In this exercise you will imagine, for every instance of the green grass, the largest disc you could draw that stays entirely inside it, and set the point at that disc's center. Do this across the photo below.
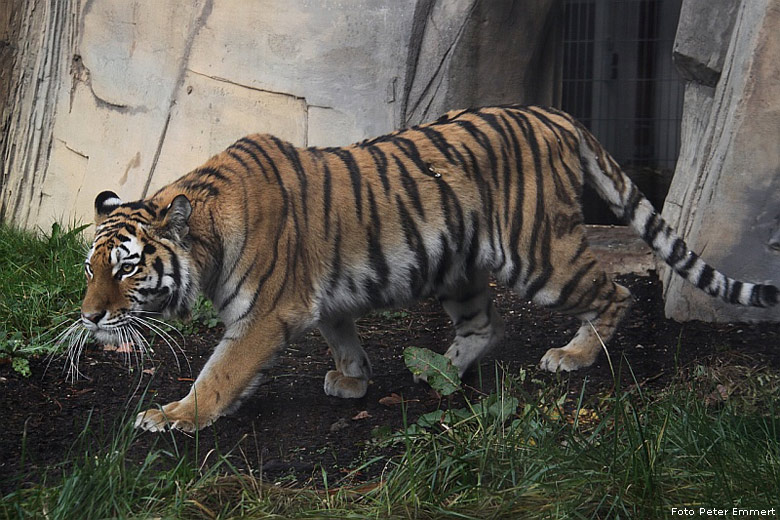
(525, 451)
(41, 284)
(711, 438)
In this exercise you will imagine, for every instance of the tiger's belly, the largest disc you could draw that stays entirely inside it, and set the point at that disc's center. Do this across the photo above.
(403, 279)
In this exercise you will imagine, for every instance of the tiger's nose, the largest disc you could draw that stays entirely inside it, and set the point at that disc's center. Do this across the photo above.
(92, 318)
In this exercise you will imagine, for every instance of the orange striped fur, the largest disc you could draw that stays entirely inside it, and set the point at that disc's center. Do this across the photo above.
(284, 239)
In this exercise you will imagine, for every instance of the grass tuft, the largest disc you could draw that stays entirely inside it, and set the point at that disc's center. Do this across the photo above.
(41, 284)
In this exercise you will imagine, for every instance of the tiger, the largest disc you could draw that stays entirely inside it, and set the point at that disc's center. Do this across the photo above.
(283, 240)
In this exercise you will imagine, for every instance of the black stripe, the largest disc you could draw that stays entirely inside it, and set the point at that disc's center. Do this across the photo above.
(473, 247)
(542, 115)
(414, 241)
(635, 197)
(444, 260)
(326, 198)
(494, 123)
(354, 176)
(456, 227)
(240, 160)
(560, 187)
(580, 249)
(547, 267)
(207, 171)
(409, 149)
(587, 297)
(275, 170)
(410, 186)
(292, 155)
(376, 256)
(444, 146)
(217, 248)
(380, 160)
(194, 185)
(336, 264)
(574, 281)
(263, 277)
(571, 141)
(705, 278)
(485, 142)
(689, 263)
(539, 212)
(158, 267)
(239, 145)
(679, 250)
(653, 226)
(736, 290)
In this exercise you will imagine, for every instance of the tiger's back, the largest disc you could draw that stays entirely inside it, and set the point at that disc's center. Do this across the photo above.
(399, 217)
(283, 239)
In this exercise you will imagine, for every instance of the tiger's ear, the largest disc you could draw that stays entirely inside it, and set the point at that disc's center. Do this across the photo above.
(105, 203)
(175, 218)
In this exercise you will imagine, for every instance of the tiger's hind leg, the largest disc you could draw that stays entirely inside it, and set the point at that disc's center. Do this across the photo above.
(599, 323)
(581, 287)
(566, 277)
(353, 368)
(478, 326)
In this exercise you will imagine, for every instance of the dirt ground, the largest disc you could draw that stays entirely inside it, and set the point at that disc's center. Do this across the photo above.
(289, 429)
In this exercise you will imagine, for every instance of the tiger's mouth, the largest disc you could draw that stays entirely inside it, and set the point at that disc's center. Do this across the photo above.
(117, 330)
(103, 335)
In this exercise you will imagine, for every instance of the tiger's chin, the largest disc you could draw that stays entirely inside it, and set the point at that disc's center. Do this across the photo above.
(106, 336)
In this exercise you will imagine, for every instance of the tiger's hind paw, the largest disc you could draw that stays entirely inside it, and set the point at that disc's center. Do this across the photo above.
(562, 359)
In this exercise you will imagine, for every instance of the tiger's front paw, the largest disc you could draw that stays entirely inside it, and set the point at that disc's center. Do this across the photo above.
(170, 418)
(339, 385)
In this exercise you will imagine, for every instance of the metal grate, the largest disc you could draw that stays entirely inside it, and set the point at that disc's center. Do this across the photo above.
(619, 80)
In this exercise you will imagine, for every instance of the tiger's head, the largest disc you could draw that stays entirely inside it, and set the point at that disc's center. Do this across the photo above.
(138, 266)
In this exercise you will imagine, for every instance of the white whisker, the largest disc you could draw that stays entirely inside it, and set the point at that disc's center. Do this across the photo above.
(64, 336)
(169, 340)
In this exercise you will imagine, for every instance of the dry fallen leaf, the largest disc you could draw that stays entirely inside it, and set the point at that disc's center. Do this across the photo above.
(149, 371)
(124, 348)
(391, 400)
(361, 415)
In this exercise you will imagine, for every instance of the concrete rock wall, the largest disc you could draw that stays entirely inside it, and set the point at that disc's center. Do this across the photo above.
(725, 194)
(117, 94)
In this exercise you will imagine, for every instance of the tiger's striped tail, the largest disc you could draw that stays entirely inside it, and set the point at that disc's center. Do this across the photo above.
(627, 202)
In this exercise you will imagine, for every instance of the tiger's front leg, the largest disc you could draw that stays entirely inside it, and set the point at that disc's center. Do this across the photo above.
(353, 368)
(229, 374)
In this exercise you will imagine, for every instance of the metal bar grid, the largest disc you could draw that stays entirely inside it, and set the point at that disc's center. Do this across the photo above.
(619, 80)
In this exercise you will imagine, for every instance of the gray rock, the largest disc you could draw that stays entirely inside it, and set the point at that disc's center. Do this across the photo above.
(725, 195)
(702, 40)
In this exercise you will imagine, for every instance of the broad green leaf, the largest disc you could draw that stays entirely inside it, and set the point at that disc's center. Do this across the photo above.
(436, 369)
(500, 408)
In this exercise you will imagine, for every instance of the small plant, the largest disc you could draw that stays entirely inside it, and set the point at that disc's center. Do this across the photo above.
(202, 314)
(11, 350)
(434, 368)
